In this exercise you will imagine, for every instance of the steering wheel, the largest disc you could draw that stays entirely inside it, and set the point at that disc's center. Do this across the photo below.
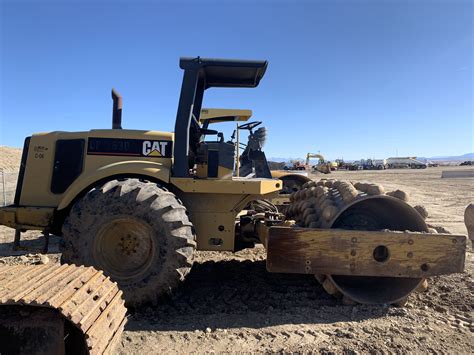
(250, 125)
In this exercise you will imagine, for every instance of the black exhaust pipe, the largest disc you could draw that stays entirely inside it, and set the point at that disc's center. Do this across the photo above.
(116, 110)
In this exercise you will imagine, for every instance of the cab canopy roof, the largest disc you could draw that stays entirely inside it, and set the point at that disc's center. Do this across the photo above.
(201, 74)
(226, 72)
(217, 115)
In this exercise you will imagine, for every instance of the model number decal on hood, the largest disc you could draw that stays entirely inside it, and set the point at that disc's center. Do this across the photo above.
(130, 147)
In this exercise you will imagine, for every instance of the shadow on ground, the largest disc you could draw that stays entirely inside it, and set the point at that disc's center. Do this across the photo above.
(233, 294)
(32, 242)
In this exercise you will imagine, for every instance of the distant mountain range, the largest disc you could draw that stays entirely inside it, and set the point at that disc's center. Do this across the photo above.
(467, 156)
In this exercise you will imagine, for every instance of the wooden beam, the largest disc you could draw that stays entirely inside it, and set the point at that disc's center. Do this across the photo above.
(351, 252)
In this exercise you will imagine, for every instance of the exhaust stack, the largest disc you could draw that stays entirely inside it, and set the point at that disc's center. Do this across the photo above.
(116, 110)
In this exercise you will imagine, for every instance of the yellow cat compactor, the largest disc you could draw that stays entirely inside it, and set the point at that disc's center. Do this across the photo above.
(137, 204)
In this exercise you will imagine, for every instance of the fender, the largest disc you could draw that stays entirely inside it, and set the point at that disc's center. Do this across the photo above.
(283, 174)
(152, 169)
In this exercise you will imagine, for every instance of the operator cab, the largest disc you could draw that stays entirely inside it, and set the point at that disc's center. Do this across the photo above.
(252, 162)
(216, 158)
(194, 154)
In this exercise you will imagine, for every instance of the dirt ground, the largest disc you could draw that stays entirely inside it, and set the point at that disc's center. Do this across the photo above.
(9, 158)
(230, 304)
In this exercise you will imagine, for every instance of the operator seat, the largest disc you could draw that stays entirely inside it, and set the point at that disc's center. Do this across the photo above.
(253, 156)
(215, 159)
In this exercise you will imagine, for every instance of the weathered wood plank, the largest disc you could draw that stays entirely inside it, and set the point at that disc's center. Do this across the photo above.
(350, 252)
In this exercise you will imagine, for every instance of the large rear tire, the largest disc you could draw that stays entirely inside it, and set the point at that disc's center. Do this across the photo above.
(136, 232)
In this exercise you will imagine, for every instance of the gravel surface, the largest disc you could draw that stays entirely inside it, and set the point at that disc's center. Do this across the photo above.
(230, 303)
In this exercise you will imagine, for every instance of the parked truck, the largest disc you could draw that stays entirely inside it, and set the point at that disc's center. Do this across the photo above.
(405, 163)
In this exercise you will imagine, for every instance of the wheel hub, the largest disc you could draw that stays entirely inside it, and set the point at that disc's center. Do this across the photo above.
(124, 247)
(129, 244)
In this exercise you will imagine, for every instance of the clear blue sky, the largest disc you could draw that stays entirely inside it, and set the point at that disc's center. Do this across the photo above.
(351, 79)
